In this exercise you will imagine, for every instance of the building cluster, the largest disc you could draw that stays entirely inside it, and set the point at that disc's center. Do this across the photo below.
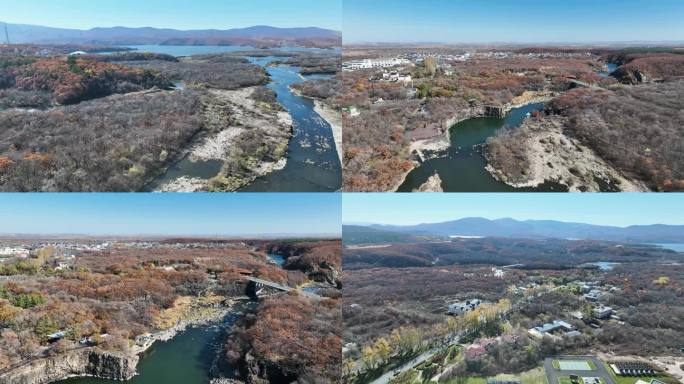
(396, 77)
(418, 57)
(555, 329)
(373, 63)
(20, 252)
(462, 307)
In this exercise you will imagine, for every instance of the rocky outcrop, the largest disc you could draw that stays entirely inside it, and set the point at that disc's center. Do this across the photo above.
(433, 184)
(82, 362)
(265, 372)
(540, 151)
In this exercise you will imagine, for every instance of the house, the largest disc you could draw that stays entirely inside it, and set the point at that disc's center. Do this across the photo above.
(352, 111)
(603, 312)
(556, 327)
(474, 351)
(63, 266)
(594, 295)
(56, 336)
(144, 340)
(406, 79)
(464, 306)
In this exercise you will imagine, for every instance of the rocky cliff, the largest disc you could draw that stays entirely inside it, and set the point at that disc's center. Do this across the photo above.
(82, 362)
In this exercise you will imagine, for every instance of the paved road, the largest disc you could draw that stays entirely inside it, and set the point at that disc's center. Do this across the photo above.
(281, 287)
(553, 374)
(384, 379)
(456, 340)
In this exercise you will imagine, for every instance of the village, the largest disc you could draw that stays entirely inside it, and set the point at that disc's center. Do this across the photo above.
(575, 325)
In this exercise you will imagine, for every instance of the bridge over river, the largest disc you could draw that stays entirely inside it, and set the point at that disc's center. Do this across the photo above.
(280, 287)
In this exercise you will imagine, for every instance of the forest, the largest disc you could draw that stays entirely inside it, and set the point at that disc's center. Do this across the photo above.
(289, 338)
(320, 260)
(129, 139)
(127, 291)
(557, 254)
(120, 292)
(637, 129)
(73, 79)
(221, 71)
(138, 120)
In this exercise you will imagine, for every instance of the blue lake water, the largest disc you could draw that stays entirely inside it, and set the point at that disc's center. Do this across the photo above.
(278, 259)
(677, 247)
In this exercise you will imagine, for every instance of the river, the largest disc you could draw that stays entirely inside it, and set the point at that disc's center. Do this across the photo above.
(610, 68)
(462, 166)
(312, 161)
(191, 357)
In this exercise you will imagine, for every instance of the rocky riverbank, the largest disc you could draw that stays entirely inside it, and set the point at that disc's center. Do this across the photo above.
(539, 150)
(248, 136)
(334, 119)
(80, 362)
(433, 184)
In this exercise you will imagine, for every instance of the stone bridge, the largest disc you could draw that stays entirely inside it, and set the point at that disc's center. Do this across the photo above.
(260, 287)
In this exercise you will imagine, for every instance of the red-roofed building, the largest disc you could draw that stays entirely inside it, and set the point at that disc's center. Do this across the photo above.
(474, 351)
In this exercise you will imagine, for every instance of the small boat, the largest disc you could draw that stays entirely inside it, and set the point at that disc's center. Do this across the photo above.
(528, 115)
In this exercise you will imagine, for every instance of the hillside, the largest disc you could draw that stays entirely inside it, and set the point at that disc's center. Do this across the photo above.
(256, 35)
(542, 229)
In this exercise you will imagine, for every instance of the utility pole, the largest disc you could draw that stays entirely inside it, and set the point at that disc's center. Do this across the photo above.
(7, 35)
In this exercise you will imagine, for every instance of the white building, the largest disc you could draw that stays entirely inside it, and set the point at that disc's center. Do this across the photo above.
(464, 306)
(373, 63)
(14, 252)
(603, 312)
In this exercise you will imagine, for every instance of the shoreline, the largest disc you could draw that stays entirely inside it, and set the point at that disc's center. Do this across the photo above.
(334, 119)
(550, 155)
(276, 131)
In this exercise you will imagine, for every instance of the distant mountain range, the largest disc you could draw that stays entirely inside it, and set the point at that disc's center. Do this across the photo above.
(534, 229)
(260, 35)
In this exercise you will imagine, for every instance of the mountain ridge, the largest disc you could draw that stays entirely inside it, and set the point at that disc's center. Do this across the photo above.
(118, 35)
(540, 229)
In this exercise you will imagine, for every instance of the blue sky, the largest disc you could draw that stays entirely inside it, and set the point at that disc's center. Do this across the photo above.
(621, 209)
(177, 214)
(177, 14)
(464, 21)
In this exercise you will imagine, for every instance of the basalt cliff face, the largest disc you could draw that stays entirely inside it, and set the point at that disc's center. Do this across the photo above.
(82, 362)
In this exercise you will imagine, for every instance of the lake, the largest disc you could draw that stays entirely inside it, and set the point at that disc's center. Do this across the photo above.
(602, 265)
(190, 50)
(312, 161)
(462, 167)
(192, 357)
(677, 247)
